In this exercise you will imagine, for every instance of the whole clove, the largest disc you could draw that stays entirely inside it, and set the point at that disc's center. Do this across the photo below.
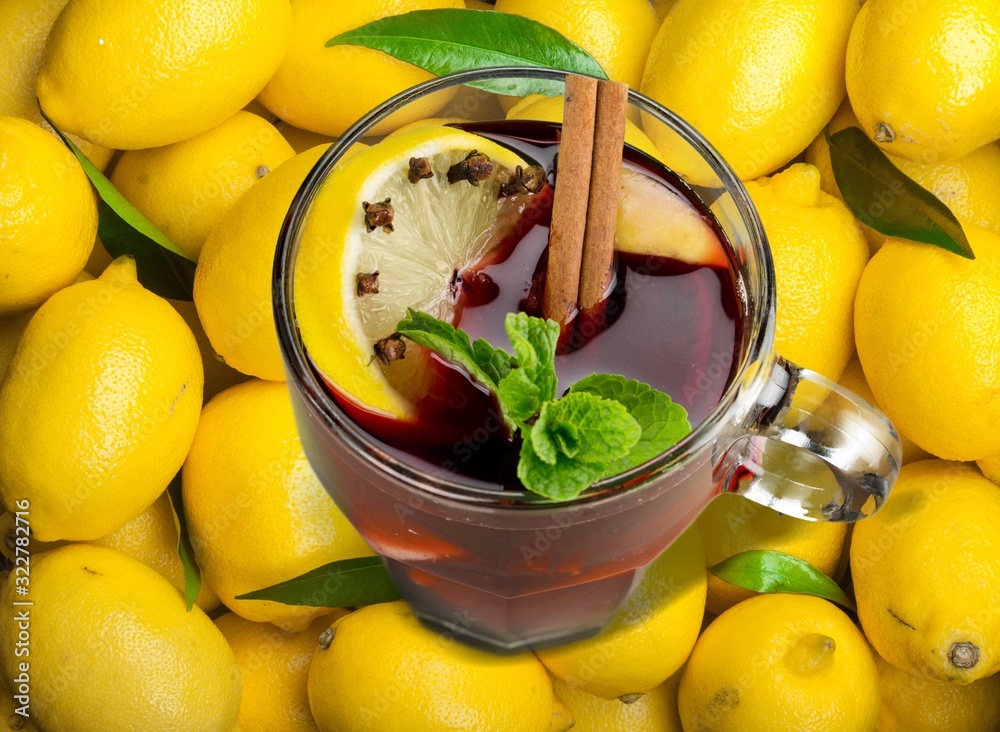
(391, 348)
(523, 180)
(367, 283)
(379, 214)
(475, 167)
(420, 169)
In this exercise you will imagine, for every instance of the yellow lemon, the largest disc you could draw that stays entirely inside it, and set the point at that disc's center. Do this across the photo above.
(924, 79)
(819, 254)
(914, 704)
(617, 33)
(186, 188)
(48, 215)
(274, 666)
(98, 407)
(232, 285)
(218, 375)
(300, 92)
(256, 512)
(380, 670)
(853, 378)
(759, 80)
(731, 524)
(652, 634)
(415, 257)
(991, 468)
(113, 646)
(550, 109)
(151, 537)
(928, 336)
(26, 25)
(153, 72)
(969, 185)
(654, 711)
(926, 572)
(781, 663)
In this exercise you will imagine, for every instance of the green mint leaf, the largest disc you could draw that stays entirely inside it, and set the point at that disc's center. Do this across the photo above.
(572, 442)
(449, 40)
(543, 445)
(347, 583)
(602, 429)
(881, 196)
(495, 362)
(160, 264)
(192, 572)
(520, 397)
(663, 423)
(769, 571)
(561, 480)
(482, 361)
(566, 436)
(534, 382)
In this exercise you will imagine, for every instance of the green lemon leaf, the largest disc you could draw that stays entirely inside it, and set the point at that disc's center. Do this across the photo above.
(192, 572)
(881, 196)
(160, 264)
(663, 423)
(346, 583)
(769, 571)
(449, 40)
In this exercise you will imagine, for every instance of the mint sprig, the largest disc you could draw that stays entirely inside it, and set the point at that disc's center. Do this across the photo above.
(604, 425)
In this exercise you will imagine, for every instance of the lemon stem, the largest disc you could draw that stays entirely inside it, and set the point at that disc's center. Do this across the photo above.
(884, 133)
(326, 638)
(964, 655)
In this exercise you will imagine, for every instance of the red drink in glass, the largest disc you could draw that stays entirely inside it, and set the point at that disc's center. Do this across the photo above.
(471, 551)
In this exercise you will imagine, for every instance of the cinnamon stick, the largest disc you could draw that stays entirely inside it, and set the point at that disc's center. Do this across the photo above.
(569, 206)
(605, 181)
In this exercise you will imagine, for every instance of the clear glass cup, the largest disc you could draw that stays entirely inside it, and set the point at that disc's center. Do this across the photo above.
(509, 570)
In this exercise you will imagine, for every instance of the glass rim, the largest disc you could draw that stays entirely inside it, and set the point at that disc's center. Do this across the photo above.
(759, 338)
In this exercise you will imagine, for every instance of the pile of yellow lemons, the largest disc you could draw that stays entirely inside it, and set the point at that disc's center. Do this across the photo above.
(207, 116)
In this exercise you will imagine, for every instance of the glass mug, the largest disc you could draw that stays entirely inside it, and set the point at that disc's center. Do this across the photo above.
(507, 570)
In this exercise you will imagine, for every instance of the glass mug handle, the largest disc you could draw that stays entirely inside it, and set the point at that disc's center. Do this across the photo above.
(812, 449)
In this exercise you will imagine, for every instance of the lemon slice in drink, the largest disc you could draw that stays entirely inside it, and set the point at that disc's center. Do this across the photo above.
(372, 216)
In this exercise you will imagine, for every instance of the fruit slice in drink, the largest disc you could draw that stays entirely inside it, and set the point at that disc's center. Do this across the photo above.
(390, 230)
